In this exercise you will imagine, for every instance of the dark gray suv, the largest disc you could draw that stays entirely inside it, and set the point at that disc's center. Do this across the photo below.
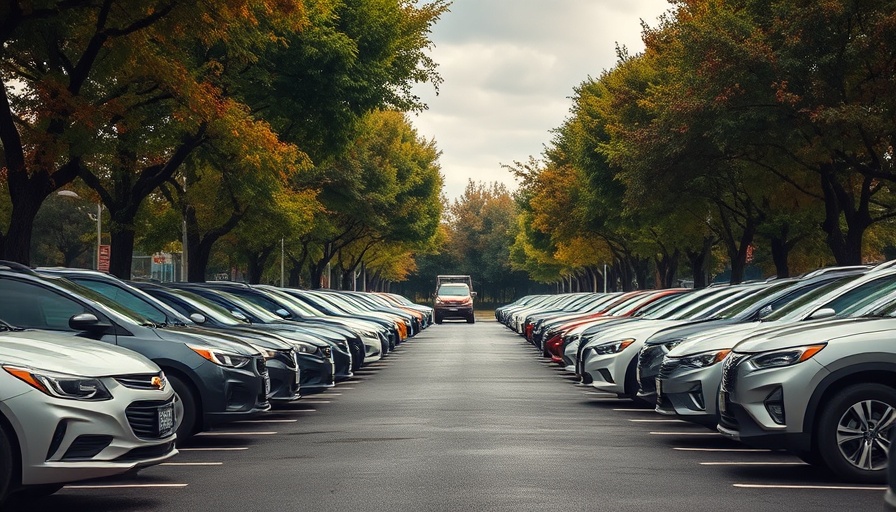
(216, 380)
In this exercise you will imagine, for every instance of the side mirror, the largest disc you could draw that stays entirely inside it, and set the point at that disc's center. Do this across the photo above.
(764, 312)
(239, 316)
(88, 322)
(822, 313)
(199, 318)
(282, 313)
(472, 294)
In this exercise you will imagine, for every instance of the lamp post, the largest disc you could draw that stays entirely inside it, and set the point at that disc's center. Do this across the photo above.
(99, 224)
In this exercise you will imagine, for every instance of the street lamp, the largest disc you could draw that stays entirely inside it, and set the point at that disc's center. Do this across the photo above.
(99, 224)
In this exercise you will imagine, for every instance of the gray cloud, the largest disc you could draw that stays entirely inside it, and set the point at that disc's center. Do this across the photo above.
(509, 68)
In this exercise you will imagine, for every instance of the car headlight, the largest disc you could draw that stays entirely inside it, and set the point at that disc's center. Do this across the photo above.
(60, 385)
(704, 359)
(305, 348)
(613, 347)
(267, 354)
(669, 345)
(786, 357)
(221, 358)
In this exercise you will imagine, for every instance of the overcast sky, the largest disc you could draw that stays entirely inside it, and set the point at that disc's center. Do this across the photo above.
(510, 67)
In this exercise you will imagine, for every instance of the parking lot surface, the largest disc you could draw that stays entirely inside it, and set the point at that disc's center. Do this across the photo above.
(465, 417)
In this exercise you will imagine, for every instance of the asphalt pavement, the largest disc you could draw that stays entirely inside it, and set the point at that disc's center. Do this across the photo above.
(465, 418)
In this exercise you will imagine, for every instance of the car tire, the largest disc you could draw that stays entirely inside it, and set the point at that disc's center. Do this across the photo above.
(845, 455)
(471, 319)
(438, 319)
(189, 424)
(6, 463)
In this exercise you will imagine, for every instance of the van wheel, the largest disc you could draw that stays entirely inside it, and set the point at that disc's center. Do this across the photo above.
(188, 424)
(854, 432)
(438, 319)
(5, 465)
(471, 319)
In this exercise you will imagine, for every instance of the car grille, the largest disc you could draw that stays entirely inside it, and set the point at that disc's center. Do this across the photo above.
(86, 447)
(142, 381)
(147, 452)
(668, 367)
(729, 371)
(144, 417)
(649, 358)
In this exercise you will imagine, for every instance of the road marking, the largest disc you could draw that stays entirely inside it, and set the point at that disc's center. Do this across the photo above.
(345, 387)
(657, 421)
(723, 450)
(223, 449)
(335, 394)
(266, 421)
(811, 487)
(287, 411)
(685, 434)
(236, 433)
(796, 463)
(635, 410)
(313, 401)
(192, 464)
(126, 486)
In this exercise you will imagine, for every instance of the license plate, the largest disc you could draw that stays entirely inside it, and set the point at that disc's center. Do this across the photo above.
(267, 385)
(659, 388)
(723, 401)
(166, 419)
(452, 309)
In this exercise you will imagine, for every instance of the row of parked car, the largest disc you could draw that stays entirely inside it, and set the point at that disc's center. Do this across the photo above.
(102, 376)
(804, 364)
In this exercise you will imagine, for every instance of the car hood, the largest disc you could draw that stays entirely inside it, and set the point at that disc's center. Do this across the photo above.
(639, 330)
(686, 330)
(818, 331)
(198, 336)
(70, 354)
(718, 339)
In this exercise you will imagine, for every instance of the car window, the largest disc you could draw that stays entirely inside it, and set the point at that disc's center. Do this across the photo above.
(36, 307)
(125, 298)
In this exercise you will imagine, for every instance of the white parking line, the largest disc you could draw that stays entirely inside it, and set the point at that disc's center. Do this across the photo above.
(657, 421)
(126, 486)
(313, 401)
(685, 434)
(795, 463)
(812, 487)
(636, 410)
(236, 433)
(294, 410)
(345, 387)
(266, 421)
(722, 450)
(222, 449)
(192, 464)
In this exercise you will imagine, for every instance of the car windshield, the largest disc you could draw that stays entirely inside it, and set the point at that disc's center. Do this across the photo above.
(454, 290)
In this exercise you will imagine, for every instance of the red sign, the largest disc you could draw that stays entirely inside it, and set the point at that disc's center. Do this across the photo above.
(105, 252)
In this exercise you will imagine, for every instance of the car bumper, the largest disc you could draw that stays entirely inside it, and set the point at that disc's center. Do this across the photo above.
(691, 393)
(68, 440)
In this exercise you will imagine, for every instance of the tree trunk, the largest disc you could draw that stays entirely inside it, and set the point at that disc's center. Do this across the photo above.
(780, 251)
(122, 249)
